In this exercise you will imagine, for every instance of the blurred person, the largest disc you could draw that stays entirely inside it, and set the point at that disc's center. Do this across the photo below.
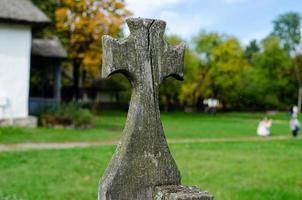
(264, 126)
(295, 111)
(294, 126)
(212, 105)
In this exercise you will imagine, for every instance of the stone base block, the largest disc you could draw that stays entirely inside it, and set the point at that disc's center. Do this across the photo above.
(179, 192)
(29, 122)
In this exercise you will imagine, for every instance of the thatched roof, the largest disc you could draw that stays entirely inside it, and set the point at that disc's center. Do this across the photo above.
(49, 48)
(21, 11)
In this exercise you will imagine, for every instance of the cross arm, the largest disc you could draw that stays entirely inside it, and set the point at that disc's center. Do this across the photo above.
(173, 62)
(117, 57)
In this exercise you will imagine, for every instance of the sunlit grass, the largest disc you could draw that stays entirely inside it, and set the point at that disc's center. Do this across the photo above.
(230, 170)
(178, 125)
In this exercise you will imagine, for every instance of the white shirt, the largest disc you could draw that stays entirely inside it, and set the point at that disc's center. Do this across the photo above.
(294, 123)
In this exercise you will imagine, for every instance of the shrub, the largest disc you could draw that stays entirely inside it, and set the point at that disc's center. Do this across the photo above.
(67, 115)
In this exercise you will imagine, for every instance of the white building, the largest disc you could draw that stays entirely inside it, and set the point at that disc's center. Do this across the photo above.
(17, 20)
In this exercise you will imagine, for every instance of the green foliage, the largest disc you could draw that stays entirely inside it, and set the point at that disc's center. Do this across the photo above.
(49, 8)
(174, 93)
(250, 50)
(124, 83)
(271, 75)
(259, 76)
(205, 42)
(193, 73)
(288, 28)
(296, 74)
(223, 67)
(67, 115)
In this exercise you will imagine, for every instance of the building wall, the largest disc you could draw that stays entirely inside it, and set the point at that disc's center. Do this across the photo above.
(15, 47)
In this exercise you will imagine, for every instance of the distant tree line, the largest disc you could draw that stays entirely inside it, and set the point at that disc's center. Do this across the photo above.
(265, 74)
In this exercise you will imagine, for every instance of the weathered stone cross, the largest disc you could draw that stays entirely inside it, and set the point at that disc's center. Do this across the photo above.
(142, 160)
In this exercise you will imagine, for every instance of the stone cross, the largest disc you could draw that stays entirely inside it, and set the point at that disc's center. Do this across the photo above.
(142, 160)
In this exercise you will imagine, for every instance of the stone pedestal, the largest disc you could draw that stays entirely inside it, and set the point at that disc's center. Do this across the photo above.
(179, 192)
(28, 122)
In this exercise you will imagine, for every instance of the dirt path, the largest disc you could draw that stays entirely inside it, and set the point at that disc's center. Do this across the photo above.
(68, 145)
(52, 145)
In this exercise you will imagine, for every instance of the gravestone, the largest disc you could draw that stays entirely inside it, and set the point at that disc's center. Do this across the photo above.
(142, 167)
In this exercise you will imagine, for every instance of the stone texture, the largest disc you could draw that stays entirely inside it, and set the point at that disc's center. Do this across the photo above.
(178, 192)
(28, 122)
(142, 160)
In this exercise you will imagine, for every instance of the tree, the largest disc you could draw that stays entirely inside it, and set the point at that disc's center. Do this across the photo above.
(288, 28)
(222, 68)
(297, 62)
(205, 42)
(49, 8)
(228, 67)
(171, 91)
(250, 50)
(193, 77)
(81, 25)
(196, 67)
(272, 75)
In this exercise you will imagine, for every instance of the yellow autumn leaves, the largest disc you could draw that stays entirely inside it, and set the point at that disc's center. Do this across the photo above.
(83, 23)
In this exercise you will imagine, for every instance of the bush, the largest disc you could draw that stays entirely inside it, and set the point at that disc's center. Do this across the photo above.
(67, 115)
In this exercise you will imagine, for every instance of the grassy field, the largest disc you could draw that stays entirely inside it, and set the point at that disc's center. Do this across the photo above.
(109, 126)
(231, 170)
(242, 170)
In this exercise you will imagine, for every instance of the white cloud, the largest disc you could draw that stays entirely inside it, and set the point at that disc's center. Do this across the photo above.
(184, 24)
(166, 14)
(241, 18)
(146, 8)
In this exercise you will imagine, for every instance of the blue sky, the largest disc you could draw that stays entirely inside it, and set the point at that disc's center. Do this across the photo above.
(244, 19)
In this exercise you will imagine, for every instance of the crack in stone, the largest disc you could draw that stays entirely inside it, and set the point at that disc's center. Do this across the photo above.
(151, 61)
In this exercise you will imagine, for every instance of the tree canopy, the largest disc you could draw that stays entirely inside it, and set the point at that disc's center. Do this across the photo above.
(83, 23)
(260, 75)
(288, 28)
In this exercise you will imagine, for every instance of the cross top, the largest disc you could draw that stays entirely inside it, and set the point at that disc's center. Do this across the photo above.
(142, 160)
(144, 48)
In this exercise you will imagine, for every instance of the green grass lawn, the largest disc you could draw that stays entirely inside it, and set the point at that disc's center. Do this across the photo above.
(109, 126)
(231, 170)
(249, 170)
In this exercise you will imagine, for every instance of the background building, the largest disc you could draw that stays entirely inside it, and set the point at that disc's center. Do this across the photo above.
(18, 20)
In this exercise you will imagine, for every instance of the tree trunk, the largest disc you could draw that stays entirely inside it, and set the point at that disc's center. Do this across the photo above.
(297, 70)
(76, 78)
(299, 99)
